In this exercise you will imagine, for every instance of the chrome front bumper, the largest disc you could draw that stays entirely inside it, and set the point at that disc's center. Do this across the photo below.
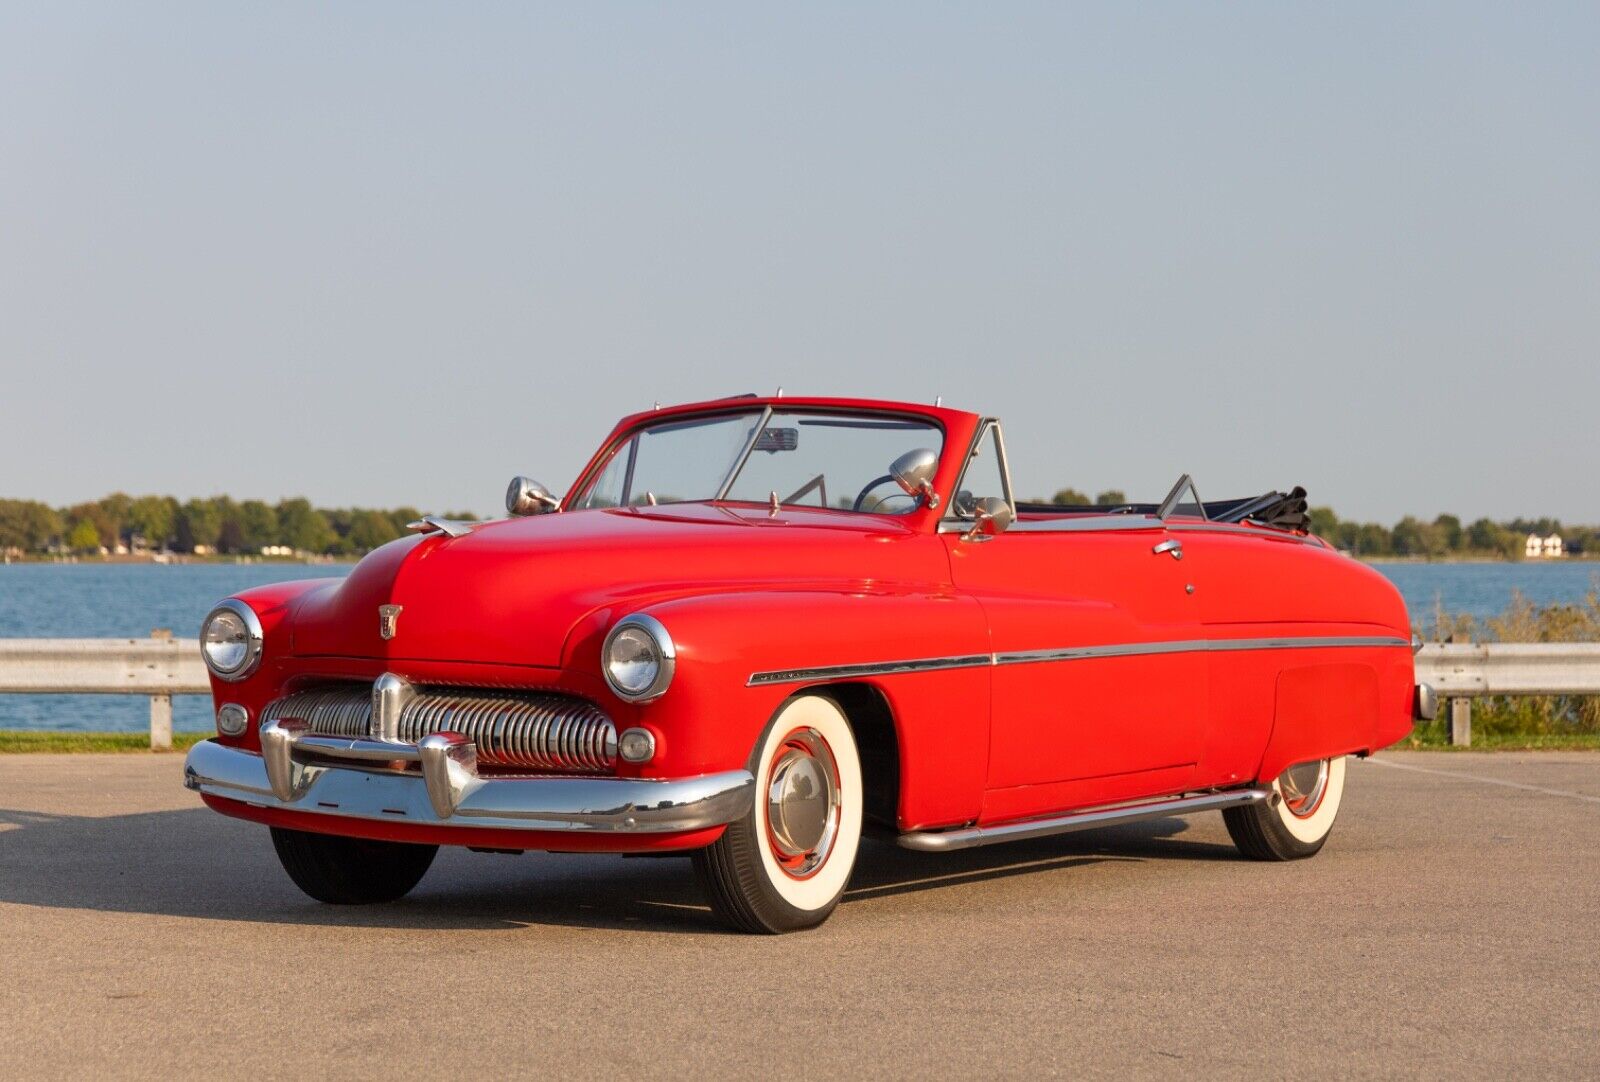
(367, 779)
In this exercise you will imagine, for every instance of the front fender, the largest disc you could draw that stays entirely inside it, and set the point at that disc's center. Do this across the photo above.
(274, 606)
(711, 716)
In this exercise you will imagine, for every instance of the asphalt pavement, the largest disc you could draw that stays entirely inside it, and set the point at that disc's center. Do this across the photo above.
(1450, 927)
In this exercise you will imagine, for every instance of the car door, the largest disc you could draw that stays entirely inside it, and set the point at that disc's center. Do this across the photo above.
(1100, 683)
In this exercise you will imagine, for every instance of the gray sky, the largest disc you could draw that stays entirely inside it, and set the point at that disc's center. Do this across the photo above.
(394, 253)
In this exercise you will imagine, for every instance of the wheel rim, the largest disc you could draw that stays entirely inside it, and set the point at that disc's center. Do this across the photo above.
(802, 803)
(1302, 787)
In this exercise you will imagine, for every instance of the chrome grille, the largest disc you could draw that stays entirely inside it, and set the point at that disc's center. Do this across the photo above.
(510, 728)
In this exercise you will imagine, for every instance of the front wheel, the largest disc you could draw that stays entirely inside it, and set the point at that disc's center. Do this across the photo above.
(1297, 819)
(350, 871)
(784, 865)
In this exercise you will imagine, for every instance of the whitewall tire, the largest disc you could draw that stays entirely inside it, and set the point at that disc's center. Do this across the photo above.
(784, 866)
(1297, 820)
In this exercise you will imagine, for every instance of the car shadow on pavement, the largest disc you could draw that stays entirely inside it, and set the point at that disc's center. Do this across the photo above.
(195, 863)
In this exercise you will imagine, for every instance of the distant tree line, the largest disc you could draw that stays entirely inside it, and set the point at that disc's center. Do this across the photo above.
(244, 527)
(218, 524)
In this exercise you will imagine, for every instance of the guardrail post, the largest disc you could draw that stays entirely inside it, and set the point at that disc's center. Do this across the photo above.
(161, 706)
(1461, 722)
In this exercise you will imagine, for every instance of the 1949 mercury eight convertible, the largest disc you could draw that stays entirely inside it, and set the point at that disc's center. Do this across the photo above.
(755, 627)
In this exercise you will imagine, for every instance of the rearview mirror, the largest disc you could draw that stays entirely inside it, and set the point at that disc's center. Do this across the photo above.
(526, 496)
(773, 440)
(992, 516)
(914, 470)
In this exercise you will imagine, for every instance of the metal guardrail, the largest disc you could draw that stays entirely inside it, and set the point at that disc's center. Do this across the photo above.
(1462, 672)
(159, 667)
(162, 667)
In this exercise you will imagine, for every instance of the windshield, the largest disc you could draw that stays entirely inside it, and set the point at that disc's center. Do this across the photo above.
(808, 459)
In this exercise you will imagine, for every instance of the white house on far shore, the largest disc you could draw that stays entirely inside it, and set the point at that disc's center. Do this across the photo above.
(1543, 548)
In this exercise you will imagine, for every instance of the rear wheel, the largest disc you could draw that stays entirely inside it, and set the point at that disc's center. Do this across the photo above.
(784, 865)
(1298, 818)
(350, 871)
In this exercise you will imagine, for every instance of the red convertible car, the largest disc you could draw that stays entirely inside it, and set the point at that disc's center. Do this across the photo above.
(756, 627)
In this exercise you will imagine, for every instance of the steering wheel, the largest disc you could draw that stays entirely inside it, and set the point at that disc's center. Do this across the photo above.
(861, 497)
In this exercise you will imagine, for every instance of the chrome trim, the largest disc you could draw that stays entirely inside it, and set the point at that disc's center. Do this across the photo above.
(1005, 466)
(1172, 545)
(533, 729)
(991, 517)
(1426, 703)
(1064, 653)
(913, 472)
(1188, 646)
(943, 841)
(450, 527)
(882, 668)
(525, 496)
(954, 522)
(255, 640)
(744, 455)
(389, 620)
(1100, 523)
(390, 693)
(1298, 800)
(1087, 524)
(1263, 531)
(449, 792)
(669, 657)
(1416, 643)
(1169, 504)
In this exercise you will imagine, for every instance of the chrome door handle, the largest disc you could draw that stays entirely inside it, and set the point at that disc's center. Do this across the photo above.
(1173, 546)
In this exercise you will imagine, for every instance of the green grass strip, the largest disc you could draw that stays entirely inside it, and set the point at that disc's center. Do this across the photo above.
(13, 741)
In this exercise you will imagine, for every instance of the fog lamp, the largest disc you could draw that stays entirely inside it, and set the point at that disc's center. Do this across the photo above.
(232, 719)
(636, 745)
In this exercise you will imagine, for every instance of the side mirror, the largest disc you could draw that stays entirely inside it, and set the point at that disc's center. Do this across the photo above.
(992, 516)
(528, 497)
(914, 470)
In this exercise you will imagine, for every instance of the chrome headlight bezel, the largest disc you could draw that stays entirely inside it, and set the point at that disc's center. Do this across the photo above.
(666, 658)
(253, 642)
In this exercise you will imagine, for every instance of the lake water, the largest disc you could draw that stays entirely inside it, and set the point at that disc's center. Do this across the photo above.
(127, 600)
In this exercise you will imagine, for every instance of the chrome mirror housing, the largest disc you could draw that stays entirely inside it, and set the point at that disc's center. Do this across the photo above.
(913, 472)
(992, 516)
(526, 496)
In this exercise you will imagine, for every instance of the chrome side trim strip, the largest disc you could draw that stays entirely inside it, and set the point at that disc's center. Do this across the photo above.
(1105, 523)
(944, 841)
(1082, 524)
(1067, 653)
(1189, 646)
(880, 668)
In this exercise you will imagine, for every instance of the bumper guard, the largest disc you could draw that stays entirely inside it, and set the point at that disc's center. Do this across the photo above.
(371, 779)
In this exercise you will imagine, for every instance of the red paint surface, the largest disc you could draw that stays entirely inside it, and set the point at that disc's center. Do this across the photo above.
(527, 602)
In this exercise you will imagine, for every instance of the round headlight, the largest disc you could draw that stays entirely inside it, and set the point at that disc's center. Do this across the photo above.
(231, 640)
(638, 658)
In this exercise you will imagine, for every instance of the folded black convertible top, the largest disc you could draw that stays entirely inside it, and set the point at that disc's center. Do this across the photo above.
(1281, 510)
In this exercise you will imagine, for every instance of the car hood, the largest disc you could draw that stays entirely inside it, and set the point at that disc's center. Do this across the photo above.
(512, 591)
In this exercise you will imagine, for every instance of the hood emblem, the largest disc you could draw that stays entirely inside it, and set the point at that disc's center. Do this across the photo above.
(388, 620)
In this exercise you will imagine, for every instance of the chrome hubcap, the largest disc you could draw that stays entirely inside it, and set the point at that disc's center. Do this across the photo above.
(802, 803)
(1302, 786)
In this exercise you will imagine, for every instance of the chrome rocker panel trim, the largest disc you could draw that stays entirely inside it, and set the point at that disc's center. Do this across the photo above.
(299, 772)
(942, 841)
